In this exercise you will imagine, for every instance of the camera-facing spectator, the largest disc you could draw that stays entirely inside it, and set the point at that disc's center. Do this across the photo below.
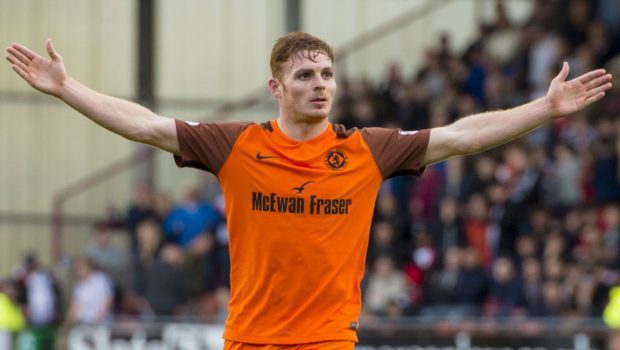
(93, 294)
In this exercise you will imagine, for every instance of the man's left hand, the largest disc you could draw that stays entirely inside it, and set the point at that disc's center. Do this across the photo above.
(566, 97)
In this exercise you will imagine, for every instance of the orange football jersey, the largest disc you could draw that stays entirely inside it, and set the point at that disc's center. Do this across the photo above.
(299, 216)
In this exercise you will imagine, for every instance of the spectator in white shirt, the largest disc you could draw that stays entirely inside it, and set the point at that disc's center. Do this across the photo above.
(92, 294)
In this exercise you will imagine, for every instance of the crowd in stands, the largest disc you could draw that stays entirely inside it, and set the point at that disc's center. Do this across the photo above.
(531, 228)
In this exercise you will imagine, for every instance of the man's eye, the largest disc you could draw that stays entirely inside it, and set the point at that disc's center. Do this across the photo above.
(328, 74)
(304, 75)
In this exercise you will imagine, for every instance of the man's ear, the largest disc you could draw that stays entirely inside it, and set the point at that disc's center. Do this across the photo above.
(274, 88)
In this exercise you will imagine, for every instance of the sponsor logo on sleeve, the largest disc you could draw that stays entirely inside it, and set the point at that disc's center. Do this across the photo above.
(408, 132)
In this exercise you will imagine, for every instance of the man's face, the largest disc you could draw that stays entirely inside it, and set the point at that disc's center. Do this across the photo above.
(307, 87)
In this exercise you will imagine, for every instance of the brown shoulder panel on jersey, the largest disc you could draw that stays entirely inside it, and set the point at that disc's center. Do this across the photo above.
(206, 146)
(341, 131)
(267, 126)
(397, 152)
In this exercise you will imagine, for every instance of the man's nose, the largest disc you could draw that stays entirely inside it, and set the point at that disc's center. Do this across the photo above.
(319, 84)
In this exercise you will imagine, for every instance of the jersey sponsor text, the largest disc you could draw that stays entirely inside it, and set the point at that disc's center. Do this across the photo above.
(272, 202)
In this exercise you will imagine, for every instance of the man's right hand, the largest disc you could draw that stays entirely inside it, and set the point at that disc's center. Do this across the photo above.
(122, 117)
(45, 75)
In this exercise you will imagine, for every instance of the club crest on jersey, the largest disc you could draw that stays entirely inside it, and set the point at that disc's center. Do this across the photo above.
(336, 159)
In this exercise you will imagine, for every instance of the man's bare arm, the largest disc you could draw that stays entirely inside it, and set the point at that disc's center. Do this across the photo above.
(482, 131)
(125, 118)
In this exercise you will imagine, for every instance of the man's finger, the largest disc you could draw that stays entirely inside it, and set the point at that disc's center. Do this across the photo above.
(18, 55)
(51, 51)
(24, 50)
(563, 73)
(587, 77)
(16, 62)
(22, 73)
(590, 100)
(598, 90)
(598, 81)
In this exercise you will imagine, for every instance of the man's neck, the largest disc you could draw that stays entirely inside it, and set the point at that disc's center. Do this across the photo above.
(302, 130)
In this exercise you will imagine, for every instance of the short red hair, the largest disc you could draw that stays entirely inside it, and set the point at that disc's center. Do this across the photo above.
(297, 44)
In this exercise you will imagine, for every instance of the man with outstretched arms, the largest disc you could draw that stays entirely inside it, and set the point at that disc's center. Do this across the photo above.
(299, 190)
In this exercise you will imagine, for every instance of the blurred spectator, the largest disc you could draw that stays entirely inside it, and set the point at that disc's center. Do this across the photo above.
(526, 247)
(191, 225)
(532, 287)
(42, 306)
(448, 231)
(589, 249)
(523, 181)
(200, 266)
(600, 42)
(579, 15)
(605, 177)
(424, 255)
(387, 211)
(382, 243)
(566, 177)
(579, 135)
(611, 233)
(431, 78)
(442, 283)
(364, 114)
(454, 177)
(388, 91)
(553, 269)
(386, 285)
(214, 306)
(610, 106)
(140, 209)
(190, 219)
(149, 237)
(472, 282)
(539, 223)
(477, 229)
(454, 291)
(584, 297)
(554, 303)
(92, 298)
(542, 55)
(482, 176)
(424, 198)
(502, 43)
(108, 256)
(11, 316)
(555, 247)
(221, 251)
(413, 106)
(476, 78)
(582, 60)
(166, 281)
(210, 188)
(163, 206)
(505, 294)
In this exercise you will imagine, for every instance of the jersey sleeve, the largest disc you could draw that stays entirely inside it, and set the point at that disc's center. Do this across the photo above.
(397, 152)
(206, 146)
